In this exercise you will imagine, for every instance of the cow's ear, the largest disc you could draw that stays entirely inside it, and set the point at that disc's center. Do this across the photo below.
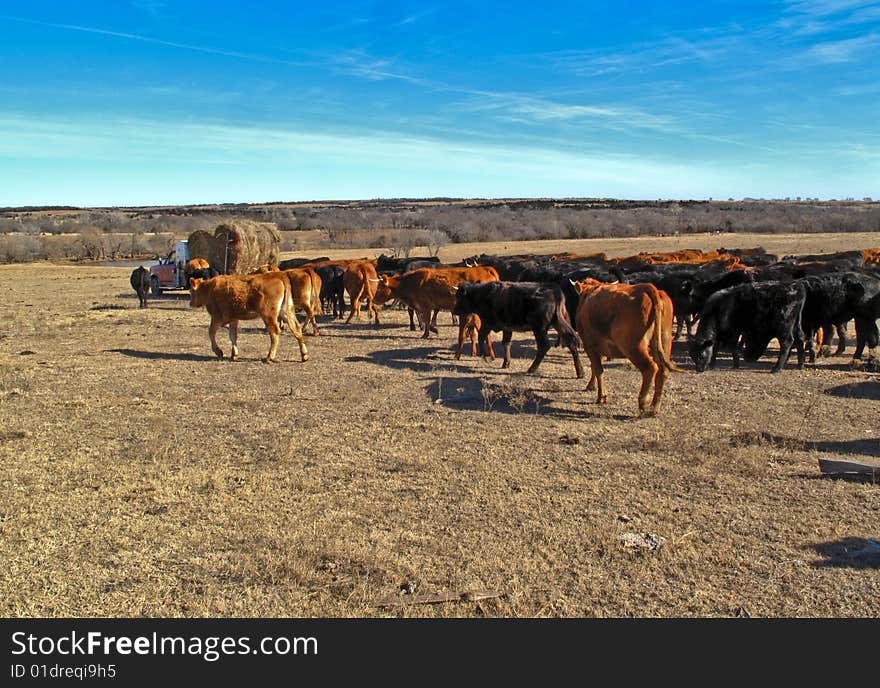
(194, 282)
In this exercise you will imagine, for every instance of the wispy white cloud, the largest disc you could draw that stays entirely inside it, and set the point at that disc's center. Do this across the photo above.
(813, 17)
(417, 17)
(822, 8)
(845, 50)
(152, 7)
(159, 41)
(643, 57)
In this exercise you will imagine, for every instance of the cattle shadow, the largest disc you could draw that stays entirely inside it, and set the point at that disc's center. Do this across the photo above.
(868, 389)
(160, 355)
(853, 553)
(419, 359)
(511, 396)
(863, 447)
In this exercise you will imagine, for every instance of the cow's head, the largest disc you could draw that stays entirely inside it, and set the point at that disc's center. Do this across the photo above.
(701, 349)
(384, 290)
(587, 285)
(464, 299)
(196, 294)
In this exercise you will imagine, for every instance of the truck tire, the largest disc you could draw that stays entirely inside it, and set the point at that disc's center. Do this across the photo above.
(154, 286)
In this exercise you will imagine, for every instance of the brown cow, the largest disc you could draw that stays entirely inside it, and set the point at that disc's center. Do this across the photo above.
(632, 321)
(303, 295)
(360, 282)
(427, 290)
(316, 292)
(196, 266)
(266, 267)
(469, 326)
(230, 298)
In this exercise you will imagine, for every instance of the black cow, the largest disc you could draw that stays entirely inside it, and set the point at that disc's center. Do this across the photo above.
(867, 313)
(832, 301)
(292, 263)
(844, 259)
(511, 307)
(752, 257)
(387, 264)
(140, 282)
(755, 312)
(332, 289)
(676, 281)
(703, 286)
(204, 273)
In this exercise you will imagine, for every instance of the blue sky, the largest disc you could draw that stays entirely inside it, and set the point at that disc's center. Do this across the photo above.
(169, 102)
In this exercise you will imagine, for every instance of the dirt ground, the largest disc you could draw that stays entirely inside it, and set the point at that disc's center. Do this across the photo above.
(143, 477)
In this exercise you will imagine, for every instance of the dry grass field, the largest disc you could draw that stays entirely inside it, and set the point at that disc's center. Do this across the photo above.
(143, 477)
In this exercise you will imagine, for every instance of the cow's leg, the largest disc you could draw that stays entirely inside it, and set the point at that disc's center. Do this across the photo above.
(425, 317)
(824, 342)
(737, 350)
(375, 309)
(507, 337)
(597, 381)
(412, 324)
(679, 324)
(642, 360)
(689, 321)
(809, 336)
(233, 338)
(462, 333)
(660, 378)
(296, 330)
(433, 319)
(490, 346)
(310, 318)
(799, 347)
(543, 342)
(785, 343)
(841, 338)
(355, 309)
(212, 333)
(274, 336)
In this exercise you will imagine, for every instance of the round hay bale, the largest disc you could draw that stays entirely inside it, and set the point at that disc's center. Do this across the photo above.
(246, 245)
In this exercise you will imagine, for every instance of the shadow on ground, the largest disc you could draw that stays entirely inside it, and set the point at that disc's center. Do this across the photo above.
(510, 394)
(869, 389)
(866, 447)
(421, 359)
(855, 553)
(160, 355)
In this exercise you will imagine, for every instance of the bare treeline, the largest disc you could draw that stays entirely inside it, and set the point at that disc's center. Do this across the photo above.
(400, 225)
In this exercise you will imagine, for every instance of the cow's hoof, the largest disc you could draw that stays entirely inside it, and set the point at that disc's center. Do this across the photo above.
(305, 357)
(219, 354)
(269, 360)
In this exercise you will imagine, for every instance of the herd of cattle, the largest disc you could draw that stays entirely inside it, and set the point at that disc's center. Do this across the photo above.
(727, 300)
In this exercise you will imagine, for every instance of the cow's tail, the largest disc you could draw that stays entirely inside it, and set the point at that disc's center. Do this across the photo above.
(657, 334)
(285, 308)
(316, 295)
(567, 335)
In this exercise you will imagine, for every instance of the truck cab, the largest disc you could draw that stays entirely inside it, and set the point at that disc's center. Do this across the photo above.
(168, 274)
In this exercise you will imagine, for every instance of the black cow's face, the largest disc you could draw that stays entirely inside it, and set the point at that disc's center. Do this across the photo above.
(701, 352)
(463, 301)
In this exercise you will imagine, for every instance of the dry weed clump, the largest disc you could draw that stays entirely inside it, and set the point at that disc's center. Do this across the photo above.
(514, 392)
